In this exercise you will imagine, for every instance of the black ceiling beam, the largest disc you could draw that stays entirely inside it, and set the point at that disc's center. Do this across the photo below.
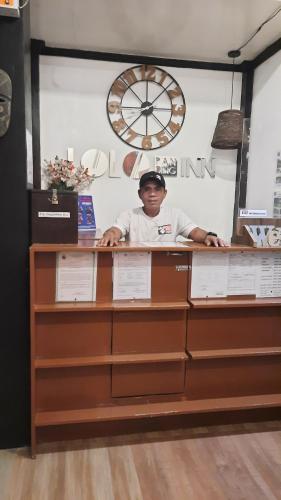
(134, 59)
(267, 53)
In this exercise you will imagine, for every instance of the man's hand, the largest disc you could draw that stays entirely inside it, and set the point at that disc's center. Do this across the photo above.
(200, 236)
(215, 241)
(110, 238)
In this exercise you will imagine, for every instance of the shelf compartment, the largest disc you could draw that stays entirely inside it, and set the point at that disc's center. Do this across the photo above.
(235, 353)
(156, 331)
(142, 379)
(233, 328)
(137, 411)
(44, 278)
(68, 335)
(233, 377)
(72, 387)
(117, 359)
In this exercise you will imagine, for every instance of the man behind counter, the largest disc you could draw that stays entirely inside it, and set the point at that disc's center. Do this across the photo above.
(153, 222)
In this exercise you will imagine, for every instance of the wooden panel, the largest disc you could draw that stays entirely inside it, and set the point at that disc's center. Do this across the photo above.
(167, 283)
(72, 388)
(154, 378)
(233, 377)
(104, 277)
(235, 353)
(142, 410)
(233, 328)
(73, 334)
(45, 278)
(150, 331)
(116, 305)
(116, 359)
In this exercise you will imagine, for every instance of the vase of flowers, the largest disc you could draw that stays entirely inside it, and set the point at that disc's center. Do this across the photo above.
(62, 175)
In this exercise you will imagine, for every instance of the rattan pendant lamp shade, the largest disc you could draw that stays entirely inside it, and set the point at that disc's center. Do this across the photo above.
(229, 129)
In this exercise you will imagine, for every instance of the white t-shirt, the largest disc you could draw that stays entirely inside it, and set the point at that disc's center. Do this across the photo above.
(166, 226)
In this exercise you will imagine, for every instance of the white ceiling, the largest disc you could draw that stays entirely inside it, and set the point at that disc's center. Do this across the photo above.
(203, 30)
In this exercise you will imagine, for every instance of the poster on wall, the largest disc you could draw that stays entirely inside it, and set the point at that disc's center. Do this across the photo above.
(86, 214)
(277, 188)
(166, 165)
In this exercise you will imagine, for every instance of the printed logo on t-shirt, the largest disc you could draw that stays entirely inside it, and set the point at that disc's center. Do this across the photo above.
(166, 229)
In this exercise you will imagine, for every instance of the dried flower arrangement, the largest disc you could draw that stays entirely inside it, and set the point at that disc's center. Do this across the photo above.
(64, 176)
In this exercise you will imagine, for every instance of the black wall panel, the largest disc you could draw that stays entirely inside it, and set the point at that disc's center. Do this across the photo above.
(14, 237)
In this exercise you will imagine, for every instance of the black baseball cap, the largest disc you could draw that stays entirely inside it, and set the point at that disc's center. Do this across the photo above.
(154, 177)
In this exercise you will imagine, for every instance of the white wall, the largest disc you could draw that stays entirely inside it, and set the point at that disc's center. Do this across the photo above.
(73, 96)
(265, 138)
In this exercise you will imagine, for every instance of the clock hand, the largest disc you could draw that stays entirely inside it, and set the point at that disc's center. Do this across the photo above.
(146, 108)
(135, 108)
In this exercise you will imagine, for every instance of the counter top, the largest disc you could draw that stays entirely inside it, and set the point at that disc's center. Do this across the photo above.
(189, 246)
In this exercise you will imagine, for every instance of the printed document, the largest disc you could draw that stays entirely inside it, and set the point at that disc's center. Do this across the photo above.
(131, 275)
(76, 276)
(209, 274)
(242, 273)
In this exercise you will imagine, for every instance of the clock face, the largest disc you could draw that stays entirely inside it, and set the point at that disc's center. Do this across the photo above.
(146, 107)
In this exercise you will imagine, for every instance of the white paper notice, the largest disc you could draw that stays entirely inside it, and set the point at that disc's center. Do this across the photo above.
(76, 276)
(269, 275)
(209, 274)
(167, 244)
(242, 273)
(131, 275)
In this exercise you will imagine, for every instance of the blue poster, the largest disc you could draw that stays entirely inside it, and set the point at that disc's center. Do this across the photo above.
(86, 214)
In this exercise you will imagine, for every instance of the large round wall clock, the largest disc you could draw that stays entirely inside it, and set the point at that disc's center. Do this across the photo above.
(146, 107)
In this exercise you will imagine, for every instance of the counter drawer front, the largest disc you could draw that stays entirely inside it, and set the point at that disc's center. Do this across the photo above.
(215, 378)
(149, 331)
(72, 388)
(147, 379)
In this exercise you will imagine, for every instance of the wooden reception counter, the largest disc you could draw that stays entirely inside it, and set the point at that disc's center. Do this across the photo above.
(98, 366)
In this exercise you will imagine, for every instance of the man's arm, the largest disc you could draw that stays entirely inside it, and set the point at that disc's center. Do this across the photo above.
(110, 237)
(201, 236)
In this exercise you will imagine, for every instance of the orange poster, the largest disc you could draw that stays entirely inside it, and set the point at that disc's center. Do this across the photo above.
(7, 3)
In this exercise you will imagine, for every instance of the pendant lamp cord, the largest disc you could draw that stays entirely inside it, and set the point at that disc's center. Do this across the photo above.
(233, 62)
(272, 16)
(237, 51)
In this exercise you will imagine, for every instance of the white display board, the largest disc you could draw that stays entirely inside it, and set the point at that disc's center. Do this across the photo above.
(222, 274)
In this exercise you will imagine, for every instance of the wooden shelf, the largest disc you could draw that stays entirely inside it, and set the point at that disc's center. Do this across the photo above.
(127, 305)
(129, 412)
(235, 353)
(116, 359)
(231, 303)
(72, 306)
(148, 305)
